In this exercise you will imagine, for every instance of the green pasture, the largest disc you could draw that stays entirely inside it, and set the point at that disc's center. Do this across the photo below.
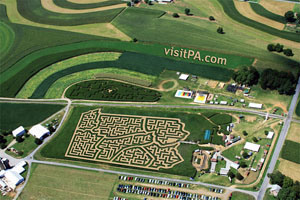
(77, 6)
(290, 151)
(194, 123)
(7, 38)
(241, 196)
(13, 115)
(260, 10)
(146, 64)
(55, 182)
(232, 12)
(109, 90)
(34, 11)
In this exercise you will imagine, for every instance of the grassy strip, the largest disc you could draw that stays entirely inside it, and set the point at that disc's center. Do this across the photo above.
(125, 78)
(109, 90)
(141, 63)
(34, 11)
(195, 124)
(260, 10)
(77, 6)
(290, 151)
(7, 37)
(241, 196)
(233, 13)
(13, 115)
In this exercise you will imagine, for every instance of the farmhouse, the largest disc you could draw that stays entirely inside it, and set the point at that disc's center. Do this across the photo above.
(252, 147)
(39, 131)
(18, 131)
(275, 190)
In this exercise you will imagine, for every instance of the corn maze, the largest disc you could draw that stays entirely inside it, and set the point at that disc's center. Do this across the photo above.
(136, 141)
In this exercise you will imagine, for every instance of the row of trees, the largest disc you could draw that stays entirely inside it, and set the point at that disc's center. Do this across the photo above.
(279, 48)
(290, 16)
(289, 190)
(284, 82)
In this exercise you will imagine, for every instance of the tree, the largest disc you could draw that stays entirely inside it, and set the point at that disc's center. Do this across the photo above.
(175, 15)
(245, 155)
(3, 145)
(245, 133)
(211, 18)
(266, 132)
(187, 11)
(287, 182)
(243, 164)
(129, 4)
(271, 47)
(279, 47)
(20, 153)
(220, 30)
(230, 174)
(38, 141)
(255, 139)
(288, 52)
(19, 139)
(239, 176)
(246, 76)
(289, 16)
(276, 178)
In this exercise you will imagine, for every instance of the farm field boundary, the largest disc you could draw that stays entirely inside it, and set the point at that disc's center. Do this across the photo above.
(260, 10)
(232, 12)
(81, 6)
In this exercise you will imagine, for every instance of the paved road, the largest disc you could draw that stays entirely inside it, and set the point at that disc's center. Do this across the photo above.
(280, 143)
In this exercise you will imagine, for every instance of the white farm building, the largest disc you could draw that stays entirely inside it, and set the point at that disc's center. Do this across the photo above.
(18, 131)
(252, 147)
(39, 131)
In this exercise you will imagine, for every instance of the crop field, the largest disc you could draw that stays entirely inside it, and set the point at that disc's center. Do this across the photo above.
(231, 11)
(289, 169)
(290, 151)
(67, 183)
(13, 115)
(294, 132)
(259, 9)
(7, 37)
(78, 6)
(241, 196)
(109, 90)
(188, 126)
(276, 7)
(34, 11)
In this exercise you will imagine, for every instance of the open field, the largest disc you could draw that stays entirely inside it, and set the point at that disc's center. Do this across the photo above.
(7, 38)
(290, 151)
(231, 11)
(241, 196)
(52, 182)
(245, 9)
(276, 7)
(88, 5)
(289, 169)
(194, 124)
(294, 132)
(260, 10)
(109, 90)
(13, 115)
(33, 10)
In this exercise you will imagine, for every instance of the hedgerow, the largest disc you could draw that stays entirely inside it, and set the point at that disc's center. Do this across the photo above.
(109, 90)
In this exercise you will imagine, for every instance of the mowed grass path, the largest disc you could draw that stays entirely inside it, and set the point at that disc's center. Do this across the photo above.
(7, 37)
(77, 6)
(53, 182)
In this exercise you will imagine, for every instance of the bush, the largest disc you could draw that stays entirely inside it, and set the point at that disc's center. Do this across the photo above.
(211, 18)
(255, 139)
(246, 76)
(243, 164)
(135, 40)
(279, 47)
(239, 176)
(245, 133)
(288, 52)
(290, 16)
(19, 139)
(187, 11)
(245, 155)
(20, 153)
(266, 132)
(3, 145)
(220, 30)
(271, 47)
(175, 15)
(38, 141)
(230, 174)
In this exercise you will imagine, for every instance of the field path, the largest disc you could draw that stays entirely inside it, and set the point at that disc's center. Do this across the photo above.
(245, 9)
(51, 6)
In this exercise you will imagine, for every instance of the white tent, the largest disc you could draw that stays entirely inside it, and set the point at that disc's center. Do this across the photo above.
(39, 131)
(252, 147)
(18, 131)
(255, 105)
(183, 77)
(234, 165)
(270, 135)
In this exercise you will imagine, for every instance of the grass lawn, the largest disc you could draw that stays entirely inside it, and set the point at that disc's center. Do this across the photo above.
(27, 146)
(241, 196)
(13, 115)
(53, 182)
(290, 151)
(220, 164)
(194, 123)
(168, 85)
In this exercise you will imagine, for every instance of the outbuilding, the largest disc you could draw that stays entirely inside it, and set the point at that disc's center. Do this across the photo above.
(255, 105)
(13, 178)
(252, 147)
(270, 135)
(183, 77)
(19, 131)
(39, 131)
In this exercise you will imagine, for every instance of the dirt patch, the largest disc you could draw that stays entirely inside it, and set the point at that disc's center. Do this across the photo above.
(250, 118)
(294, 132)
(290, 169)
(245, 9)
(277, 7)
(212, 84)
(278, 105)
(251, 177)
(161, 88)
(51, 6)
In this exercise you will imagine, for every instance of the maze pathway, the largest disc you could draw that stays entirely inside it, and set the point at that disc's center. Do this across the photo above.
(131, 140)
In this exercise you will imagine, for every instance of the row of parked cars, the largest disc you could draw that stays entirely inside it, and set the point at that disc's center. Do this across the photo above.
(163, 193)
(119, 198)
(216, 190)
(154, 181)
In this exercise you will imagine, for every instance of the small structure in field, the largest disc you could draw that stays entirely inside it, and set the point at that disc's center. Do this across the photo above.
(184, 77)
(255, 105)
(18, 131)
(252, 147)
(39, 131)
(270, 135)
(184, 94)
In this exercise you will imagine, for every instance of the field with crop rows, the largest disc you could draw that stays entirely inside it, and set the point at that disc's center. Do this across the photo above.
(111, 91)
(259, 9)
(290, 151)
(77, 6)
